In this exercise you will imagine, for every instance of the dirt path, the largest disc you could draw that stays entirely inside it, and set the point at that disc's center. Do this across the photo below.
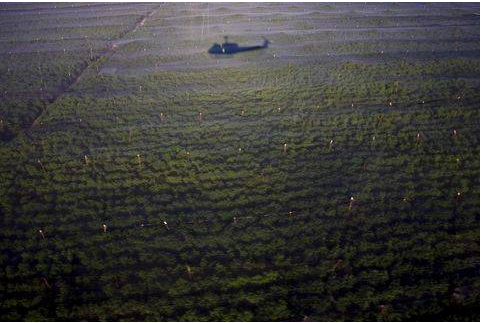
(77, 76)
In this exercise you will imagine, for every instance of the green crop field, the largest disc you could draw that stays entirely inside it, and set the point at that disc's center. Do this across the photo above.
(333, 176)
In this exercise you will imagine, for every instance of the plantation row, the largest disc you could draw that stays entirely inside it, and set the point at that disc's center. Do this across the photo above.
(42, 61)
(225, 193)
(200, 198)
(301, 260)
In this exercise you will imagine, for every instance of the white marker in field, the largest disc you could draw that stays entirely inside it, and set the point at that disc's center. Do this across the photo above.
(41, 233)
(352, 203)
(104, 227)
(46, 283)
(331, 144)
(459, 196)
(189, 272)
(455, 133)
(139, 159)
(165, 224)
(41, 165)
(86, 159)
(285, 147)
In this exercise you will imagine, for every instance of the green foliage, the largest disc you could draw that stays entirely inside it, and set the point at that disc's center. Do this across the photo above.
(257, 234)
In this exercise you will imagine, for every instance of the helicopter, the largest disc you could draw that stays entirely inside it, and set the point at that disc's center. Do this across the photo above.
(227, 48)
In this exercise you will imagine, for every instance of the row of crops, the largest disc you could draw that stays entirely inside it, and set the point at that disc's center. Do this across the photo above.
(49, 49)
(324, 190)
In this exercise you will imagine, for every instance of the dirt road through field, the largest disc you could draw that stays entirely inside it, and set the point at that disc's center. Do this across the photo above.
(76, 77)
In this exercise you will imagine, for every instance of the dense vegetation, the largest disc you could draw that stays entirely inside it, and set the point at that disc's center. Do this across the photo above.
(149, 190)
